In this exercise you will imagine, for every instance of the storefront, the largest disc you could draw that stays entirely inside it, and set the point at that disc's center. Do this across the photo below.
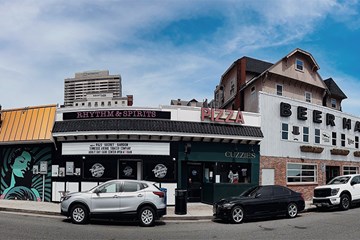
(177, 147)
(26, 153)
(306, 145)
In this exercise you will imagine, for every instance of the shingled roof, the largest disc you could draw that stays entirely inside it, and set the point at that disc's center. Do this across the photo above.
(141, 125)
(256, 66)
(334, 88)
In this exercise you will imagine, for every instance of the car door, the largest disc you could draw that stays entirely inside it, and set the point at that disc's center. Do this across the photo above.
(105, 199)
(355, 185)
(262, 203)
(281, 199)
(132, 195)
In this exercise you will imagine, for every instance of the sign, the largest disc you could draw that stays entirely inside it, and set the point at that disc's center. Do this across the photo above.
(221, 115)
(97, 170)
(160, 171)
(69, 168)
(142, 114)
(116, 148)
(43, 167)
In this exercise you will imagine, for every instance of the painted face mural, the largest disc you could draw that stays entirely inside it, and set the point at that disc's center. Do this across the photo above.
(17, 179)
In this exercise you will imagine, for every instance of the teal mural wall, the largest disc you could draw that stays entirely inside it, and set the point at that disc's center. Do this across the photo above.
(18, 181)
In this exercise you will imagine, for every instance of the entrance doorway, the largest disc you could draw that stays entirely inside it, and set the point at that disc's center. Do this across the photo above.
(331, 172)
(195, 181)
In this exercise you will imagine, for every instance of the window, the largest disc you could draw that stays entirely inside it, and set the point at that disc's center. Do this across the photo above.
(356, 142)
(132, 186)
(109, 103)
(232, 173)
(115, 102)
(110, 188)
(284, 131)
(317, 135)
(343, 140)
(279, 89)
(334, 138)
(308, 97)
(333, 103)
(350, 170)
(252, 89)
(299, 65)
(89, 104)
(281, 191)
(265, 191)
(76, 104)
(301, 173)
(232, 88)
(96, 104)
(102, 104)
(83, 104)
(306, 134)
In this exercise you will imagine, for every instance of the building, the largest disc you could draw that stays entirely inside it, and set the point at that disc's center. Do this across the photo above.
(211, 154)
(192, 103)
(103, 100)
(91, 82)
(307, 138)
(26, 153)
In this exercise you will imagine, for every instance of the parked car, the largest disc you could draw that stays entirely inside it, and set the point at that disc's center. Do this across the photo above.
(341, 191)
(130, 199)
(260, 201)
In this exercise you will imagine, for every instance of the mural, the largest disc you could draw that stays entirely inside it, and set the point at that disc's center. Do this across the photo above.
(18, 181)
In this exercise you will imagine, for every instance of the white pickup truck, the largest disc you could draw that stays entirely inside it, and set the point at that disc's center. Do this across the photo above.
(341, 191)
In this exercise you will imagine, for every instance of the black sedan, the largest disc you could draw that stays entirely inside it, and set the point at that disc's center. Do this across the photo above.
(260, 201)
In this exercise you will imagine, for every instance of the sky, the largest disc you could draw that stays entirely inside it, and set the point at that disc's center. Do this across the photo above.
(168, 49)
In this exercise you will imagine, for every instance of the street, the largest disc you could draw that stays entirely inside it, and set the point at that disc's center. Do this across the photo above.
(332, 224)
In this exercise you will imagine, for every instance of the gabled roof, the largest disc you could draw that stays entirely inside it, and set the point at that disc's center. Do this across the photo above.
(311, 58)
(334, 89)
(30, 124)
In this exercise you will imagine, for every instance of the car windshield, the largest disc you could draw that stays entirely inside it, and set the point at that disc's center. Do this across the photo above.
(250, 192)
(339, 180)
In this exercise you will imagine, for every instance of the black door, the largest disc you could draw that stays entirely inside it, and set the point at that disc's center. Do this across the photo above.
(331, 172)
(195, 181)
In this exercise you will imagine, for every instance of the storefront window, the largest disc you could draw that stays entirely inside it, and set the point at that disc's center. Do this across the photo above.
(128, 170)
(350, 170)
(159, 171)
(228, 173)
(301, 173)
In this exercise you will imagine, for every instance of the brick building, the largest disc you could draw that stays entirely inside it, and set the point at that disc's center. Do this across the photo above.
(307, 138)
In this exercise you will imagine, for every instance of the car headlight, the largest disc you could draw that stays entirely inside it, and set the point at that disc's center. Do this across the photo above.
(334, 191)
(228, 205)
(65, 198)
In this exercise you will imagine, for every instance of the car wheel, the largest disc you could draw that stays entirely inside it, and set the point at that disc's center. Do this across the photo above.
(146, 217)
(237, 214)
(79, 214)
(292, 210)
(344, 202)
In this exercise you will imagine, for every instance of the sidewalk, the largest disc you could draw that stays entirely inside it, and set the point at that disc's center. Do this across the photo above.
(195, 211)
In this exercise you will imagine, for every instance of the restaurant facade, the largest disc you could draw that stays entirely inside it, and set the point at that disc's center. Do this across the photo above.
(210, 153)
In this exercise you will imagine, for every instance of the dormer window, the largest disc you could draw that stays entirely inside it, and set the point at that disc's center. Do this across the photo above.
(252, 89)
(333, 103)
(299, 65)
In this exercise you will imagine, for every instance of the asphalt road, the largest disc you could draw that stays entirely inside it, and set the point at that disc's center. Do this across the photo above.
(313, 225)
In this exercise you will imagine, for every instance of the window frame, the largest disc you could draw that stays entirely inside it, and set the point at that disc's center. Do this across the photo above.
(284, 131)
(297, 60)
(306, 135)
(301, 176)
(343, 140)
(277, 92)
(333, 105)
(306, 97)
(317, 136)
(252, 89)
(349, 171)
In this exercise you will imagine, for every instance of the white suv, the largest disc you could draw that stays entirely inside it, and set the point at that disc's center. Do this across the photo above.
(340, 191)
(132, 199)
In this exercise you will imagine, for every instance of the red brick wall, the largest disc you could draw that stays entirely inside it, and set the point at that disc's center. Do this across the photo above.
(279, 166)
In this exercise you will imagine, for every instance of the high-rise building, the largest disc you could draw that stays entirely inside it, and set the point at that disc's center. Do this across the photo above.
(91, 82)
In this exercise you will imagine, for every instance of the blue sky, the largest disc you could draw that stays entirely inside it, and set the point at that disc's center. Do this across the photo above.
(167, 49)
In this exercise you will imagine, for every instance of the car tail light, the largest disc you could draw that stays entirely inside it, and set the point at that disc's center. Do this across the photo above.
(160, 194)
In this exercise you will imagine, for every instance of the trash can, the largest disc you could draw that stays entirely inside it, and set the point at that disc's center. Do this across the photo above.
(180, 202)
(165, 192)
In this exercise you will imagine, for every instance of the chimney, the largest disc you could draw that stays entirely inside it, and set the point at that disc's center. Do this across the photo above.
(130, 100)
